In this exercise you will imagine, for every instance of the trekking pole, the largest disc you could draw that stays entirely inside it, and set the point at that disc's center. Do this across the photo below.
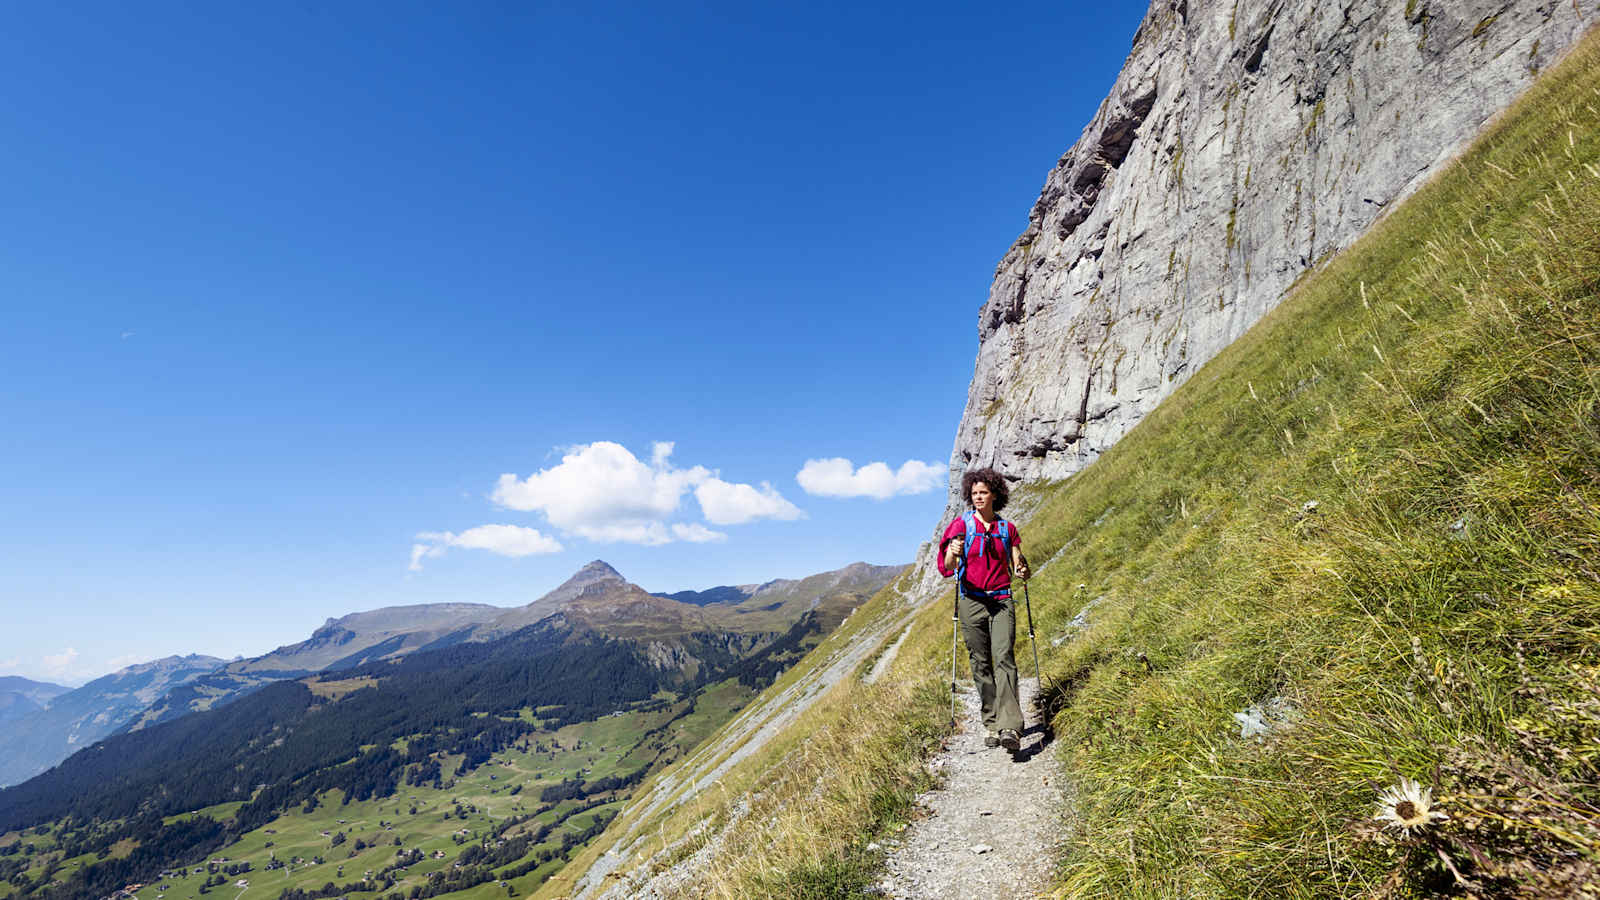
(1032, 641)
(955, 618)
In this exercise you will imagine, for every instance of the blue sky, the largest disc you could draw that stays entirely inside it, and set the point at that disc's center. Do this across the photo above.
(301, 297)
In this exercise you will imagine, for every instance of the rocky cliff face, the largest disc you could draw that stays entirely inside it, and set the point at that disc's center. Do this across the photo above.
(1243, 142)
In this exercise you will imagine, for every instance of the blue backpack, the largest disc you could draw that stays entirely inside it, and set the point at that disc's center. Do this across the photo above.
(1003, 532)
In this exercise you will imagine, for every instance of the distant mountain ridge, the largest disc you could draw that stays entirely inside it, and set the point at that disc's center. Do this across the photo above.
(341, 643)
(42, 737)
(597, 598)
(15, 705)
(40, 692)
(745, 599)
(723, 594)
(20, 696)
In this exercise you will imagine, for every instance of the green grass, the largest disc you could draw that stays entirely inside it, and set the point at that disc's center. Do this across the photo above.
(306, 837)
(1433, 393)
(45, 852)
(218, 811)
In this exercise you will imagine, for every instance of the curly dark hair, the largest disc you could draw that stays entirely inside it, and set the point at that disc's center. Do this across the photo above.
(995, 481)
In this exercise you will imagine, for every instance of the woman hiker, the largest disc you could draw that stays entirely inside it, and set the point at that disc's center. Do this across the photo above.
(985, 550)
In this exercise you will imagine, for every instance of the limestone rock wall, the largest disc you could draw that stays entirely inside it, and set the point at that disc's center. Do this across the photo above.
(1243, 141)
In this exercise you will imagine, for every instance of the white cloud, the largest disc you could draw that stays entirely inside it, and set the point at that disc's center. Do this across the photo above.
(838, 478)
(506, 540)
(57, 664)
(696, 533)
(633, 531)
(735, 504)
(602, 492)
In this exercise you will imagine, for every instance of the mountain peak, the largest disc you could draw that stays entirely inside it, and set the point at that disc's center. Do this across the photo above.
(168, 663)
(595, 576)
(595, 570)
(591, 574)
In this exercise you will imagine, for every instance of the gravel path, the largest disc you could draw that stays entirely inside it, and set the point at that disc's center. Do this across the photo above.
(991, 830)
(882, 665)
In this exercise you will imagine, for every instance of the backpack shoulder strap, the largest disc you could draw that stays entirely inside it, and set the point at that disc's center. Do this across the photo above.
(1004, 528)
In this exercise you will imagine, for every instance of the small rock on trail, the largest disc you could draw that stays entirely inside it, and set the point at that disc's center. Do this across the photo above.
(1013, 808)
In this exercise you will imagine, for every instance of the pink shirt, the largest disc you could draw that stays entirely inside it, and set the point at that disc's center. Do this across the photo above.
(988, 569)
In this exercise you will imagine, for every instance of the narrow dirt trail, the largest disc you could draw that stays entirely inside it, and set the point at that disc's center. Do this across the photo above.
(991, 830)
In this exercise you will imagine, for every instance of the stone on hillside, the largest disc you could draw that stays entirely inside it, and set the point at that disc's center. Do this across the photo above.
(1262, 720)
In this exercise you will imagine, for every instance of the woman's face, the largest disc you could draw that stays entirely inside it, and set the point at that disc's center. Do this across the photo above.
(982, 498)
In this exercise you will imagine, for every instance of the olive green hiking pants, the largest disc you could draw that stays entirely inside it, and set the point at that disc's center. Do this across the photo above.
(989, 628)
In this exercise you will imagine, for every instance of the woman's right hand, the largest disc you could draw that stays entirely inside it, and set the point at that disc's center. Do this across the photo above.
(952, 552)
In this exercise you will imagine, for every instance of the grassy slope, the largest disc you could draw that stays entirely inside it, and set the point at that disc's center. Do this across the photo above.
(1436, 391)
(1443, 372)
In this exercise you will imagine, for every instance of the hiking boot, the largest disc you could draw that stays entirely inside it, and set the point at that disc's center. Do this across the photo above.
(991, 740)
(1010, 740)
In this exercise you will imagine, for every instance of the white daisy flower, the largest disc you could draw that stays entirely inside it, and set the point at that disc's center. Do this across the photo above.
(1406, 806)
